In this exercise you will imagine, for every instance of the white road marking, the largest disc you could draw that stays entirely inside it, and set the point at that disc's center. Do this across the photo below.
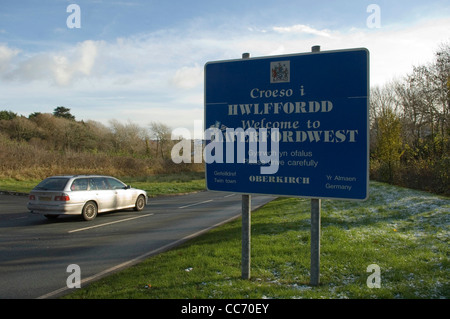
(195, 204)
(110, 223)
(19, 218)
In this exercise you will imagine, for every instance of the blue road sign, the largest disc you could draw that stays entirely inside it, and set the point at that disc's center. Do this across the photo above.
(292, 125)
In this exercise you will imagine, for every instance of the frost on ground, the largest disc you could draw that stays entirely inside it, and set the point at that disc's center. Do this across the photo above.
(411, 229)
(405, 231)
(398, 206)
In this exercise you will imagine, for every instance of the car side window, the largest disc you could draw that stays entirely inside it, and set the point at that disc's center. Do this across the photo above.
(98, 183)
(115, 184)
(80, 184)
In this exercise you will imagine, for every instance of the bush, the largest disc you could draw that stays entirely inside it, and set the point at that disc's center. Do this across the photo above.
(427, 175)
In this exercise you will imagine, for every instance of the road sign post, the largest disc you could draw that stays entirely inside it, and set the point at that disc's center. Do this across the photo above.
(315, 241)
(246, 226)
(246, 236)
(315, 230)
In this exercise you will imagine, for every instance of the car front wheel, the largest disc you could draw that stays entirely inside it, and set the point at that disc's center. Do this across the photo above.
(140, 203)
(89, 211)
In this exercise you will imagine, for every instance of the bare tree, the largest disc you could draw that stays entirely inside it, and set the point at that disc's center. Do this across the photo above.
(161, 133)
(128, 137)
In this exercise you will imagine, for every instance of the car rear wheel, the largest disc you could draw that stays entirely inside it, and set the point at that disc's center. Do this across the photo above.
(140, 203)
(89, 211)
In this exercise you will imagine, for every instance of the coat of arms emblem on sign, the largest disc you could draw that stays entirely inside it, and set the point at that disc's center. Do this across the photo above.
(280, 72)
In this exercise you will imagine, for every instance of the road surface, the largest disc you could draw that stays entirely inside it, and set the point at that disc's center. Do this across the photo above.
(35, 252)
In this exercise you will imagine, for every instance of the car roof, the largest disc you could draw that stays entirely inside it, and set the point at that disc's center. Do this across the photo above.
(74, 176)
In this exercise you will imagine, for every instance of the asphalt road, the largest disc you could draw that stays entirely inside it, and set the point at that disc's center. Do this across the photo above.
(35, 252)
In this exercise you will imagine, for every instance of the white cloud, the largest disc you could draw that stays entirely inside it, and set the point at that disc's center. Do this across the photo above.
(188, 77)
(394, 49)
(60, 68)
(302, 29)
(6, 55)
(88, 54)
(68, 66)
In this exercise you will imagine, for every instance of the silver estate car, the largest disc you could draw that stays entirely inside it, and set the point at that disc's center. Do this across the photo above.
(83, 194)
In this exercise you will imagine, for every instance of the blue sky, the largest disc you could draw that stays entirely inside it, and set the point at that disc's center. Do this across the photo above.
(142, 61)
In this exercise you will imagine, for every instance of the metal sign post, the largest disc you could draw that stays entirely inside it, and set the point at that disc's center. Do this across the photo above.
(246, 225)
(246, 235)
(315, 241)
(315, 230)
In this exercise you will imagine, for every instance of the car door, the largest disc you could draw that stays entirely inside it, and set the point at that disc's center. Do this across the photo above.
(78, 191)
(124, 196)
(106, 197)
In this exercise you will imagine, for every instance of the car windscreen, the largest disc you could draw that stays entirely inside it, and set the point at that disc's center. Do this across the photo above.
(52, 184)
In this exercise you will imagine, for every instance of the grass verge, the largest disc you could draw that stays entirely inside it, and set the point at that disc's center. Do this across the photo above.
(19, 186)
(155, 185)
(404, 232)
(170, 184)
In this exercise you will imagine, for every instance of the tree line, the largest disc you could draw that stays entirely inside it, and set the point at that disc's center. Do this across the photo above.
(410, 127)
(61, 132)
(56, 143)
